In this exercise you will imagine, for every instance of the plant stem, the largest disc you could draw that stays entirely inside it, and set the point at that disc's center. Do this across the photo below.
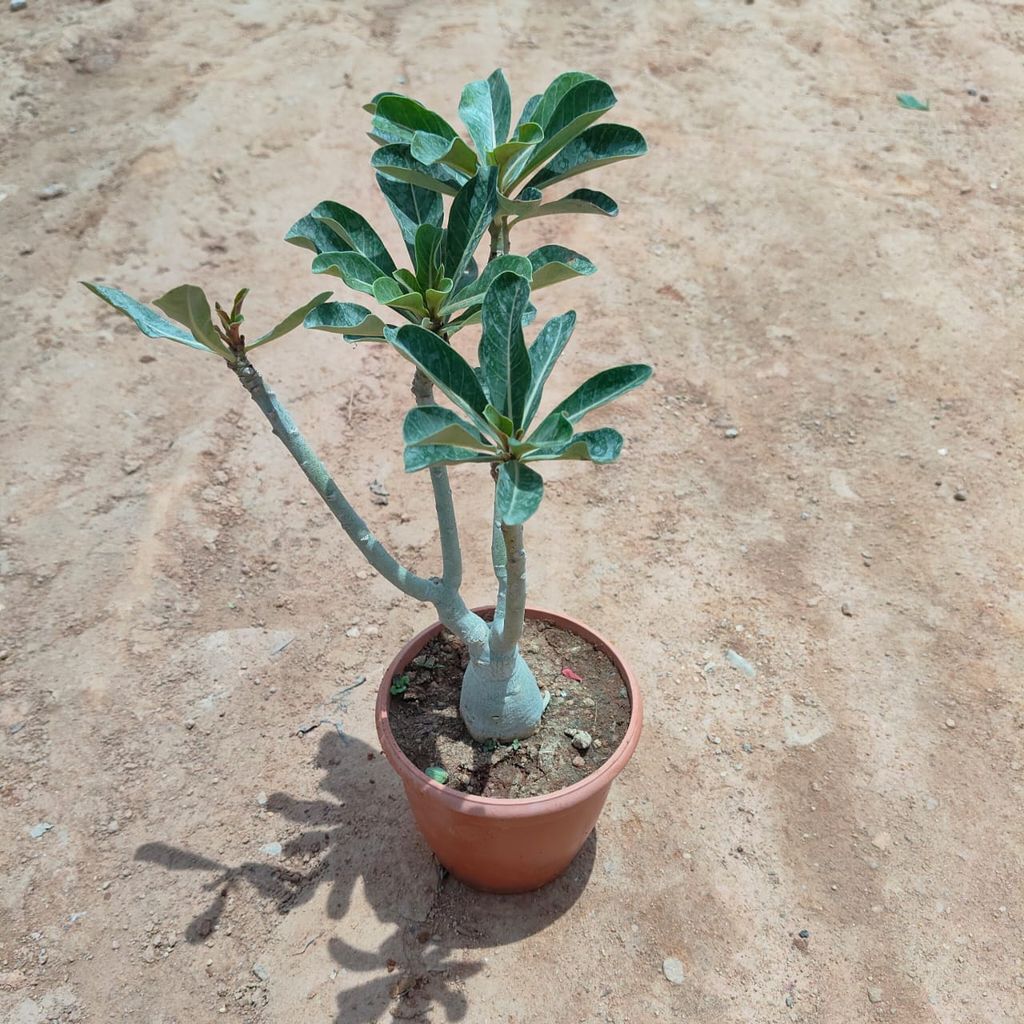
(374, 552)
(499, 238)
(506, 636)
(451, 550)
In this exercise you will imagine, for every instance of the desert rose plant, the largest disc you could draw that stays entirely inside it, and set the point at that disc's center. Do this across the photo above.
(497, 179)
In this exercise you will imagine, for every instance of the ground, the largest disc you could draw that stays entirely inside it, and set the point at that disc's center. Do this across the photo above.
(832, 278)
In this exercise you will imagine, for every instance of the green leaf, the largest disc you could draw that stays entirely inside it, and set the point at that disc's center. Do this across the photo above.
(518, 493)
(353, 268)
(503, 357)
(189, 306)
(151, 324)
(424, 456)
(486, 110)
(356, 232)
(399, 685)
(290, 322)
(406, 279)
(387, 289)
(444, 366)
(599, 145)
(544, 353)
(556, 92)
(600, 446)
(411, 301)
(554, 263)
(309, 233)
(528, 111)
(911, 102)
(583, 200)
(510, 263)
(355, 322)
(397, 162)
(526, 136)
(437, 774)
(500, 423)
(435, 425)
(428, 241)
(465, 319)
(435, 296)
(400, 119)
(599, 390)
(522, 206)
(411, 206)
(471, 214)
(576, 109)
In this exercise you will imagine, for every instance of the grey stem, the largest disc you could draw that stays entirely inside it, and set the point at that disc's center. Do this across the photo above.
(500, 562)
(505, 637)
(451, 550)
(352, 523)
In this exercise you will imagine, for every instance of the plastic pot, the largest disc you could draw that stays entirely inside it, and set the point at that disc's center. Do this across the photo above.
(507, 846)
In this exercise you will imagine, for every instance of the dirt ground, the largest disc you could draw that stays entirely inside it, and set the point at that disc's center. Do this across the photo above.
(835, 277)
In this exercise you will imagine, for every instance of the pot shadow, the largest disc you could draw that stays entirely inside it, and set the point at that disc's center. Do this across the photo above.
(362, 836)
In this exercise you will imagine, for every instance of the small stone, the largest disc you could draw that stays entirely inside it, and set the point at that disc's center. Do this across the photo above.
(950, 723)
(931, 803)
(882, 841)
(189, 724)
(730, 432)
(54, 191)
(874, 994)
(959, 495)
(673, 970)
(271, 849)
(261, 972)
(846, 610)
(261, 799)
(598, 745)
(112, 826)
(578, 762)
(37, 831)
(149, 954)
(352, 632)
(800, 942)
(19, 5)
(582, 739)
(4, 655)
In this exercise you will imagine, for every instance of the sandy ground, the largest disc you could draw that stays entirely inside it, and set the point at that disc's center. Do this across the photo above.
(836, 277)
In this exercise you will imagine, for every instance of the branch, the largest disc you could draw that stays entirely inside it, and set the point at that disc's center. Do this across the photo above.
(451, 550)
(359, 533)
(507, 635)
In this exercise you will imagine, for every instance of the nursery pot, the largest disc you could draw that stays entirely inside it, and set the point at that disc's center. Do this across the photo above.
(507, 846)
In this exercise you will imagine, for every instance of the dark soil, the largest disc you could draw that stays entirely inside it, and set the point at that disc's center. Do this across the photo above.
(425, 717)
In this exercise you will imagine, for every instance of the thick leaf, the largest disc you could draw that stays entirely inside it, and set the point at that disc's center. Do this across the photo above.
(151, 324)
(599, 145)
(355, 322)
(554, 263)
(600, 446)
(599, 390)
(472, 212)
(475, 291)
(486, 110)
(500, 423)
(406, 279)
(522, 206)
(445, 367)
(310, 233)
(397, 162)
(503, 356)
(411, 301)
(433, 424)
(353, 268)
(189, 306)
(387, 289)
(399, 119)
(290, 322)
(528, 111)
(469, 316)
(583, 200)
(518, 493)
(556, 92)
(356, 232)
(576, 110)
(526, 137)
(428, 240)
(544, 353)
(411, 206)
(424, 456)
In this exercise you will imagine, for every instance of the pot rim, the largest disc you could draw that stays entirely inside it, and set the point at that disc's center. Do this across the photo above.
(468, 803)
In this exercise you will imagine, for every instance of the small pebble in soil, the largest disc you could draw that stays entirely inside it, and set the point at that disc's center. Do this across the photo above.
(959, 495)
(578, 762)
(19, 5)
(582, 739)
(846, 610)
(730, 432)
(673, 970)
(874, 994)
(950, 723)
(261, 972)
(52, 191)
(37, 831)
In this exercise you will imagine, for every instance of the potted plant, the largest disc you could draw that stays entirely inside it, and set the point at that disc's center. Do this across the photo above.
(492, 417)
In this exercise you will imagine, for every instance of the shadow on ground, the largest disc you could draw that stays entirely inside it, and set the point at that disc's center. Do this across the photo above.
(364, 833)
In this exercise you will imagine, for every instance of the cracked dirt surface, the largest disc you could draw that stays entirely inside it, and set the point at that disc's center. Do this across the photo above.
(836, 278)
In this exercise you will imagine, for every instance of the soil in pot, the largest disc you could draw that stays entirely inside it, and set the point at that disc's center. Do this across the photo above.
(424, 717)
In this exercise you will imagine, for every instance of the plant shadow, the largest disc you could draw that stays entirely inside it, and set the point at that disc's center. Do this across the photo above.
(363, 837)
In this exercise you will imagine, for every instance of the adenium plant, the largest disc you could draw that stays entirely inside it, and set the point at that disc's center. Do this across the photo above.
(496, 179)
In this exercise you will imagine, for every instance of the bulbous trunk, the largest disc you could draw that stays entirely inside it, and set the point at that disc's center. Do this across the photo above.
(500, 697)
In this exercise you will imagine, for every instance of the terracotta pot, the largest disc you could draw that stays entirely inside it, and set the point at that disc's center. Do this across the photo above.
(507, 845)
